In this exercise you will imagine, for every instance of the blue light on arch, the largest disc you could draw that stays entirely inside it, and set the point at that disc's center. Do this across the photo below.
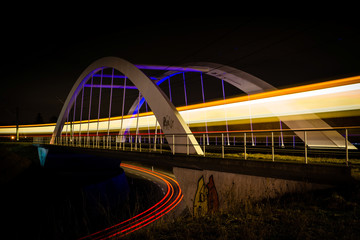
(142, 100)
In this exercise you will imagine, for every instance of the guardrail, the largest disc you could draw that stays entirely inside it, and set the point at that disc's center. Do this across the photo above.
(239, 144)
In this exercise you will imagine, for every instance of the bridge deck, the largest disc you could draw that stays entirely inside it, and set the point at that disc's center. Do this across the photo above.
(315, 173)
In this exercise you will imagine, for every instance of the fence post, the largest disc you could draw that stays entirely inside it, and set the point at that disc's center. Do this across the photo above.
(187, 144)
(155, 143)
(120, 139)
(161, 143)
(293, 141)
(131, 143)
(305, 138)
(245, 154)
(204, 144)
(173, 144)
(346, 147)
(222, 146)
(272, 147)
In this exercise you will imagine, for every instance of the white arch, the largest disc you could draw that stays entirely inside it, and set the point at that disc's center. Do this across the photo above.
(237, 78)
(168, 117)
(251, 85)
(242, 80)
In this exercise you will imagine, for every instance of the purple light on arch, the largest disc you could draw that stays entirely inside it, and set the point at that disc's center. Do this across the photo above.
(117, 76)
(169, 68)
(108, 76)
(109, 86)
(142, 100)
(167, 77)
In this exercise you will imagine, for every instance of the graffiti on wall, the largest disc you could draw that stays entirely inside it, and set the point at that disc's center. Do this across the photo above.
(206, 198)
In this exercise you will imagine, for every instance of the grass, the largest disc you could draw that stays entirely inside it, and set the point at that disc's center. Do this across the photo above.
(322, 214)
(15, 158)
(262, 156)
(325, 214)
(46, 204)
(284, 158)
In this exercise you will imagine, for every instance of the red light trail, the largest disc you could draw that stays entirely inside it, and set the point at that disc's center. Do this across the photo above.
(171, 199)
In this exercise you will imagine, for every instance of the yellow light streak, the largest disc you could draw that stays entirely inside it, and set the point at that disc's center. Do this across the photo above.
(335, 96)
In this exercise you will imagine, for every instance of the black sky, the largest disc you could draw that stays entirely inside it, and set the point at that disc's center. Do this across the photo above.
(42, 58)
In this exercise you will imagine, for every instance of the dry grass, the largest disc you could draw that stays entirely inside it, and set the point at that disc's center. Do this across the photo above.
(14, 159)
(330, 214)
(285, 158)
(326, 214)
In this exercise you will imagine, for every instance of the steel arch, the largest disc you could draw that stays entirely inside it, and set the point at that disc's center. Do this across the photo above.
(168, 117)
(251, 85)
(237, 78)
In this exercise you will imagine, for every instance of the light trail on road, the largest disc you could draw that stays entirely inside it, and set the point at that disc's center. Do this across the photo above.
(171, 199)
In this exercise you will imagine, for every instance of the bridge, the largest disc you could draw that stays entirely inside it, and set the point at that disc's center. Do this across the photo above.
(108, 97)
(116, 106)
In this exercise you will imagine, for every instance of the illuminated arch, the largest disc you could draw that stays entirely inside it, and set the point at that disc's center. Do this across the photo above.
(165, 111)
(251, 85)
(237, 78)
(168, 117)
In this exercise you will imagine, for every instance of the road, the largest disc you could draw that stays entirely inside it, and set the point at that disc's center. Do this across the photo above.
(172, 197)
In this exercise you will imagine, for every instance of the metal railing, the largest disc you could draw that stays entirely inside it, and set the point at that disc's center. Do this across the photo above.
(235, 144)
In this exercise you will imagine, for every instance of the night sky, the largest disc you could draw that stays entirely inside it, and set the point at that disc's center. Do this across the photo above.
(41, 59)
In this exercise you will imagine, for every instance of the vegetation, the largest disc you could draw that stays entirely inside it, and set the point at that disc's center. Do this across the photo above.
(286, 158)
(50, 204)
(325, 214)
(322, 214)
(297, 156)
(14, 159)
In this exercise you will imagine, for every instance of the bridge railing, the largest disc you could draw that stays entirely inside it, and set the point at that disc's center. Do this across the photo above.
(269, 145)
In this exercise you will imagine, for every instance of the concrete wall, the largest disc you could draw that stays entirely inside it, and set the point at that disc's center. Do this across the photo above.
(231, 188)
(209, 184)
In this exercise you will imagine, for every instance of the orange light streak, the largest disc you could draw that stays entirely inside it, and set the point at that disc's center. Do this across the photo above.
(292, 90)
(165, 205)
(275, 93)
